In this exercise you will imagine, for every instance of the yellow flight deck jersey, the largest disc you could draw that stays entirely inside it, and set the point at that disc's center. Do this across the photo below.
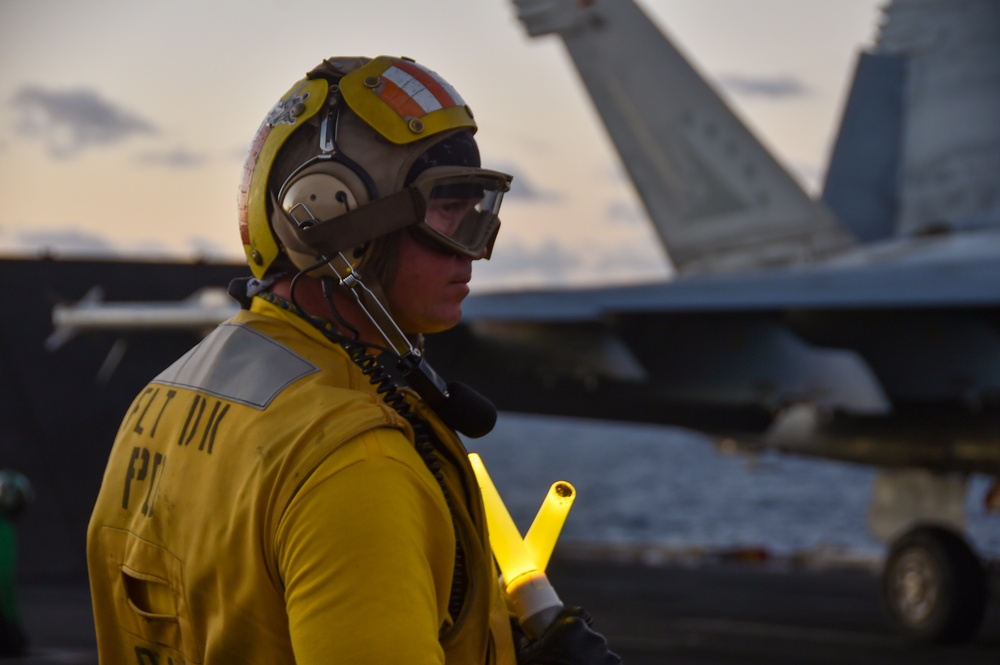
(262, 504)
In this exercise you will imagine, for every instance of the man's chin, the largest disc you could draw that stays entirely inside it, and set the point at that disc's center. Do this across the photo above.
(437, 324)
(444, 323)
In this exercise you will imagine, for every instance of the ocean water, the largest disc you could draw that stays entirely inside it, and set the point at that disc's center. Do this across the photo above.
(666, 488)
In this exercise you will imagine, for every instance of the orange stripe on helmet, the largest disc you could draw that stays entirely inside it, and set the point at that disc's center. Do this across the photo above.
(400, 100)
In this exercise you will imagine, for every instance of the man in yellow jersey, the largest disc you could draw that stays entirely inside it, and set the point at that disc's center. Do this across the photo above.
(292, 490)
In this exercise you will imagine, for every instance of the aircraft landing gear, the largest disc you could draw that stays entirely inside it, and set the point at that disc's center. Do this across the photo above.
(934, 586)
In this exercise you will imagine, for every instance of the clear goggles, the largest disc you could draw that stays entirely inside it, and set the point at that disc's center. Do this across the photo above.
(462, 208)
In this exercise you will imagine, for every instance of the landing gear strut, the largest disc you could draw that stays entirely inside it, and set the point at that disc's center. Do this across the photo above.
(934, 586)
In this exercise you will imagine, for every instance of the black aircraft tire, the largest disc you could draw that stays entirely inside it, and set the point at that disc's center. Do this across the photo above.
(934, 586)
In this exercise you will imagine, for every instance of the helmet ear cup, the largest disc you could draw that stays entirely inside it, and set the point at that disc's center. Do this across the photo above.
(322, 192)
(317, 194)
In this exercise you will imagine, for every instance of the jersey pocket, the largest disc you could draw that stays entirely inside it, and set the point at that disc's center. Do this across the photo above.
(148, 590)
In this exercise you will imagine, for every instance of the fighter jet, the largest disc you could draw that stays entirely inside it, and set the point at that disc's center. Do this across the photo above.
(862, 326)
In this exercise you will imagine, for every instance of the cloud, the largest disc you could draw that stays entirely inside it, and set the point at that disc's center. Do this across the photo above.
(177, 158)
(69, 242)
(621, 211)
(625, 263)
(749, 85)
(210, 250)
(519, 263)
(523, 264)
(71, 121)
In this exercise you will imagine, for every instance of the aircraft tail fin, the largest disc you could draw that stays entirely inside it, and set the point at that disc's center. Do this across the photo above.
(862, 179)
(718, 198)
(919, 144)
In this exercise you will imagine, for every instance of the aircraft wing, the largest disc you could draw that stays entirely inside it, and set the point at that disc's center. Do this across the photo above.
(892, 357)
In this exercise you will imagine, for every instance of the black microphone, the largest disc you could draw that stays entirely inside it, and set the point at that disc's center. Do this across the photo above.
(467, 411)
(460, 407)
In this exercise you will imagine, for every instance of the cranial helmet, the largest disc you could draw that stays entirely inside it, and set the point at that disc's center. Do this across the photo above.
(356, 150)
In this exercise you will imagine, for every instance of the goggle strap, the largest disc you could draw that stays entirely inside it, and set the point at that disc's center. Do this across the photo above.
(353, 229)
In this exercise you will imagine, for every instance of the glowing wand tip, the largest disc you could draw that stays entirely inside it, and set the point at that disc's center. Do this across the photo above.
(544, 531)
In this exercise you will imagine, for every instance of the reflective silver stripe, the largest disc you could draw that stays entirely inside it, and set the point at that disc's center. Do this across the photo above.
(238, 364)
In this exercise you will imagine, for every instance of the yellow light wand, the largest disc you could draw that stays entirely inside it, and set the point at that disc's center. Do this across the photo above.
(548, 523)
(522, 562)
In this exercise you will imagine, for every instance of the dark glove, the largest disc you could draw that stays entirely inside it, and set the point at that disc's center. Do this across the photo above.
(569, 641)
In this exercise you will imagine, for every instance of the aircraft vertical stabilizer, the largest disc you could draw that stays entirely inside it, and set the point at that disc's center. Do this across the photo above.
(949, 177)
(919, 144)
(718, 198)
(862, 179)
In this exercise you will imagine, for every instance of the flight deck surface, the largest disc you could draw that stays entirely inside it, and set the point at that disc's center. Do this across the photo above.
(732, 613)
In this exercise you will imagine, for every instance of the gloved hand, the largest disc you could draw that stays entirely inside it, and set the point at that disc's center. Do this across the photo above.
(569, 641)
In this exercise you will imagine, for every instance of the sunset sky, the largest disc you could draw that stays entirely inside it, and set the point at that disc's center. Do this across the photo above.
(123, 124)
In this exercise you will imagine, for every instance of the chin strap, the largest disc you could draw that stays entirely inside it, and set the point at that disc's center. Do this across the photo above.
(372, 306)
(459, 406)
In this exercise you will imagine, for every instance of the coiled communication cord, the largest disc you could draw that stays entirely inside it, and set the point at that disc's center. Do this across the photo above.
(423, 439)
